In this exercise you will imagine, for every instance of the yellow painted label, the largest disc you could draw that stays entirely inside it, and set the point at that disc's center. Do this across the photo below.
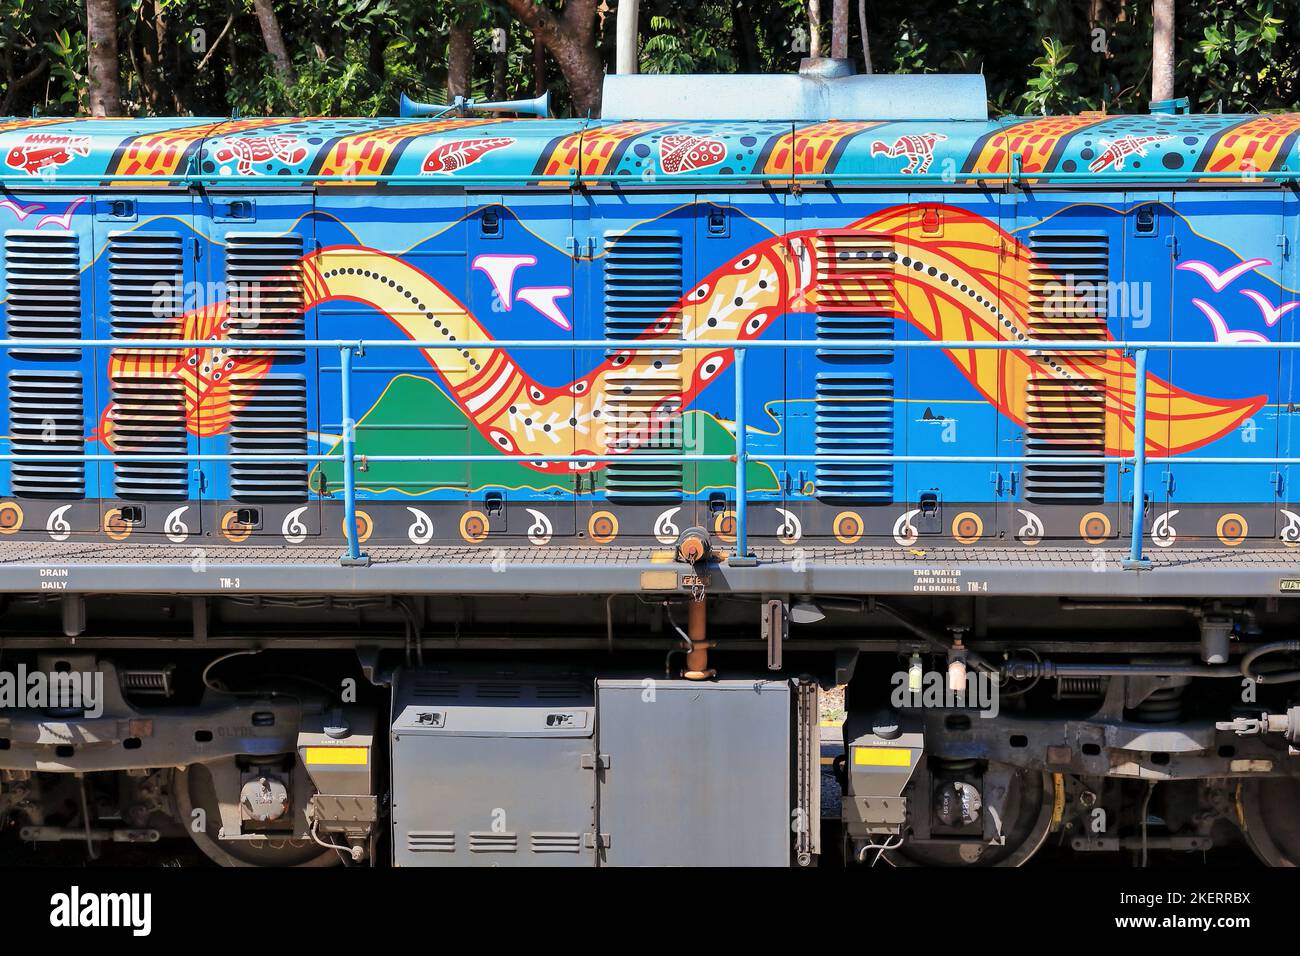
(882, 757)
(337, 756)
(658, 580)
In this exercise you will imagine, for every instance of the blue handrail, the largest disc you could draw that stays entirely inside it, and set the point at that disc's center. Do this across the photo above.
(349, 348)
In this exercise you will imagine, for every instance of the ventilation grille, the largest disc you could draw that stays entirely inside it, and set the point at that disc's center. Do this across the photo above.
(431, 841)
(434, 689)
(146, 278)
(555, 842)
(43, 278)
(1068, 287)
(1065, 419)
(643, 416)
(46, 417)
(268, 417)
(264, 288)
(856, 297)
(484, 841)
(149, 419)
(855, 415)
(643, 284)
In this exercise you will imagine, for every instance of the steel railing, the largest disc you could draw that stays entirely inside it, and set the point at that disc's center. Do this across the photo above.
(348, 349)
(1016, 175)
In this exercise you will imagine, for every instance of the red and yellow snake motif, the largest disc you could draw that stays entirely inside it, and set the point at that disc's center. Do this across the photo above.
(969, 284)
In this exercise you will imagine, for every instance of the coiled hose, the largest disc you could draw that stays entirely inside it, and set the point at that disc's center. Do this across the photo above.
(1276, 677)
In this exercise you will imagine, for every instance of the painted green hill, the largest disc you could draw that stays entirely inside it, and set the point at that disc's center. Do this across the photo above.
(415, 417)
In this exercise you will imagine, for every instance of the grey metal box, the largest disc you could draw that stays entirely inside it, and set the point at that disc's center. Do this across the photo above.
(489, 771)
(698, 772)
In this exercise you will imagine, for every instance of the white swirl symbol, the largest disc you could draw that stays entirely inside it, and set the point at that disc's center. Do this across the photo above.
(294, 531)
(175, 527)
(1163, 532)
(57, 524)
(1290, 535)
(1032, 531)
(905, 532)
(665, 530)
(790, 530)
(421, 529)
(540, 531)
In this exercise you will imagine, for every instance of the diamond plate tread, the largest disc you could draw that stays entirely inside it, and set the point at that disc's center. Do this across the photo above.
(132, 567)
(49, 553)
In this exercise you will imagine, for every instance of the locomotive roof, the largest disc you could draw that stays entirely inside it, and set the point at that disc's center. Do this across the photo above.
(508, 151)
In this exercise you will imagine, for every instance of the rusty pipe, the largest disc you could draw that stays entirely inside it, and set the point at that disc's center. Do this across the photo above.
(697, 658)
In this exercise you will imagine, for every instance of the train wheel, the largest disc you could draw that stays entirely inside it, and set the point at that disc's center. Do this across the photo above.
(1028, 818)
(199, 812)
(1266, 810)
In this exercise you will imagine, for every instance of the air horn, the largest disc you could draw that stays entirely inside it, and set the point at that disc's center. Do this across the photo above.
(539, 106)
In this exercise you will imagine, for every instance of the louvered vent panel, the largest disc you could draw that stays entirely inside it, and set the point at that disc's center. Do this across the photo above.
(264, 288)
(855, 416)
(856, 295)
(555, 842)
(146, 279)
(643, 284)
(1068, 302)
(268, 417)
(46, 417)
(1067, 420)
(149, 419)
(643, 417)
(43, 278)
(1068, 293)
(485, 841)
(431, 841)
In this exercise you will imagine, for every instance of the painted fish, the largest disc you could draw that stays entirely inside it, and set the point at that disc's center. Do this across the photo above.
(247, 150)
(918, 149)
(1113, 156)
(39, 151)
(679, 153)
(450, 157)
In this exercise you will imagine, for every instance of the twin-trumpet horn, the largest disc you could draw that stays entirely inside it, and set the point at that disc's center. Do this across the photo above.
(539, 106)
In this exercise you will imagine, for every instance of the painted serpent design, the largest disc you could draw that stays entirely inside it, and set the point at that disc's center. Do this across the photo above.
(971, 284)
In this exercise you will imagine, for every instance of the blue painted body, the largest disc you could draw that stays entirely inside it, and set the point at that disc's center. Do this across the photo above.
(442, 229)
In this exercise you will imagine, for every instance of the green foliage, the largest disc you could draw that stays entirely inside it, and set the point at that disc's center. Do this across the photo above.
(1049, 90)
(358, 56)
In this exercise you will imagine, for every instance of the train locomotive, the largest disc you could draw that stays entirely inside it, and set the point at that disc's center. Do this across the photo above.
(466, 488)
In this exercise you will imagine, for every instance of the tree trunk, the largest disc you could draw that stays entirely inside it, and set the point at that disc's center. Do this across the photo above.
(539, 66)
(626, 36)
(814, 28)
(274, 41)
(840, 29)
(378, 46)
(1162, 50)
(501, 62)
(460, 59)
(570, 37)
(105, 92)
(866, 45)
(743, 37)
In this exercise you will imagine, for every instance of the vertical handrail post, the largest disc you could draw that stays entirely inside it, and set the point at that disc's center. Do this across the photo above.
(741, 557)
(1135, 559)
(353, 557)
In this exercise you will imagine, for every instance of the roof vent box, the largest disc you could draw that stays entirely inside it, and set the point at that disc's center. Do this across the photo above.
(821, 91)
